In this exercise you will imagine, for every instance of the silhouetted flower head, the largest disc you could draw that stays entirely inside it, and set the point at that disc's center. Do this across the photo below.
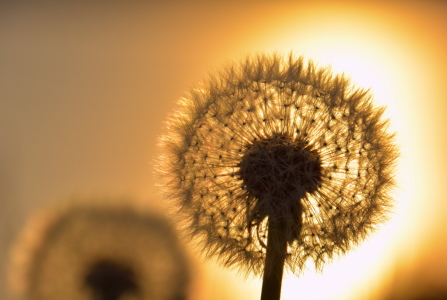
(278, 138)
(100, 252)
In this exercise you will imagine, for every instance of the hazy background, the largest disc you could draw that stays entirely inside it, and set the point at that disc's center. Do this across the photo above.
(86, 85)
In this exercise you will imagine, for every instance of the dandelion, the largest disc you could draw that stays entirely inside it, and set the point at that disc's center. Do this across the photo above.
(275, 162)
(99, 252)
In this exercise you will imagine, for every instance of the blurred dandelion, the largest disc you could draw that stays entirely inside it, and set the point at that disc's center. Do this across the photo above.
(99, 252)
(274, 162)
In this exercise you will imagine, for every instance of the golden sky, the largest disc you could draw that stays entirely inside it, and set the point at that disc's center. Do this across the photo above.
(84, 89)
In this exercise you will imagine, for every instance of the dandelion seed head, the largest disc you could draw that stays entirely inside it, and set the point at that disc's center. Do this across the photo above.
(99, 251)
(274, 137)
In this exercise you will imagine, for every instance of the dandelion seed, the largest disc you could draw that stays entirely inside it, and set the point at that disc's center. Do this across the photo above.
(99, 252)
(274, 161)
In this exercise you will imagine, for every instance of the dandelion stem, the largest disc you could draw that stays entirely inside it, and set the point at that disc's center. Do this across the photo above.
(274, 261)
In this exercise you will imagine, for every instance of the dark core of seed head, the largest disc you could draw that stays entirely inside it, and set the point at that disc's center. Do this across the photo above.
(110, 280)
(281, 168)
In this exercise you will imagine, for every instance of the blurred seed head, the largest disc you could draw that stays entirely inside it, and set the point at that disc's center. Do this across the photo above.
(99, 251)
(274, 137)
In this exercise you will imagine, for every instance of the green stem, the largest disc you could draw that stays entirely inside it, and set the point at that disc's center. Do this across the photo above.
(274, 261)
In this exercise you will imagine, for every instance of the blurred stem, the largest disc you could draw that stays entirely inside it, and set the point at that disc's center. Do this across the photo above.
(274, 260)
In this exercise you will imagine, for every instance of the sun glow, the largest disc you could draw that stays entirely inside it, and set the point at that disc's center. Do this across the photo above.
(376, 51)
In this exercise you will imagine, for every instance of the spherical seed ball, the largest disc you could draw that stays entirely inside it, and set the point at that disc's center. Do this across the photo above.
(98, 252)
(276, 138)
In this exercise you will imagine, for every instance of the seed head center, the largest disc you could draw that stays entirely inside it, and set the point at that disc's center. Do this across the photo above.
(110, 280)
(280, 168)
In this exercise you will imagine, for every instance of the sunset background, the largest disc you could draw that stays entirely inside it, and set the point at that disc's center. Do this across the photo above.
(86, 85)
